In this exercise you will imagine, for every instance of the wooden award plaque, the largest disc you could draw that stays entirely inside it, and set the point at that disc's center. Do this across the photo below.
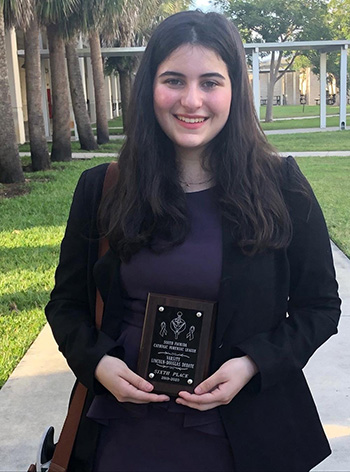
(176, 342)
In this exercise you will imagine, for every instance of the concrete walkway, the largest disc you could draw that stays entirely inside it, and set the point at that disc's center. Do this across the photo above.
(301, 130)
(290, 118)
(36, 394)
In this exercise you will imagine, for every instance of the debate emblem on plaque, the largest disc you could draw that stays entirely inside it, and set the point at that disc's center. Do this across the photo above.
(176, 340)
(178, 324)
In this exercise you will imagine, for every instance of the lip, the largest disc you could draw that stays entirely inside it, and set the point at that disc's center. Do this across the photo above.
(191, 125)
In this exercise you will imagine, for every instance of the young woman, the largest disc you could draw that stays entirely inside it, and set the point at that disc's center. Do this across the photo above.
(203, 208)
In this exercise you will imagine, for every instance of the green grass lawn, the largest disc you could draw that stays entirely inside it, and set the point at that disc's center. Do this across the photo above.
(330, 179)
(31, 228)
(112, 146)
(112, 132)
(116, 122)
(112, 124)
(305, 123)
(291, 111)
(319, 141)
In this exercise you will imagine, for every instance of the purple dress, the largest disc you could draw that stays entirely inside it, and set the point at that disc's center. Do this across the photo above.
(166, 436)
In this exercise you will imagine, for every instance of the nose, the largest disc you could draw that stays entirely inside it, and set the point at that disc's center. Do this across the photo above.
(191, 97)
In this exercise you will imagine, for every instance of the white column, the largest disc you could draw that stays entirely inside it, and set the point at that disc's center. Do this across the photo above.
(114, 94)
(295, 88)
(108, 97)
(323, 83)
(117, 83)
(256, 83)
(44, 86)
(342, 87)
(90, 91)
(15, 84)
(41, 40)
(82, 65)
(73, 123)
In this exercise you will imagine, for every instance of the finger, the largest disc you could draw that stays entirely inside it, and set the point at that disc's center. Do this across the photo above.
(128, 392)
(143, 397)
(209, 384)
(221, 395)
(198, 399)
(197, 406)
(137, 381)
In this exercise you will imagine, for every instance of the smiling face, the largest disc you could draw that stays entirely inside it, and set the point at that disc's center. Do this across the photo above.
(192, 97)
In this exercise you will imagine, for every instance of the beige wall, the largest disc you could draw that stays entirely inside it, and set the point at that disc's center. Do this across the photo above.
(288, 85)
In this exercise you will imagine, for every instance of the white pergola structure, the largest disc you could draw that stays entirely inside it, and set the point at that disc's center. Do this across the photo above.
(323, 47)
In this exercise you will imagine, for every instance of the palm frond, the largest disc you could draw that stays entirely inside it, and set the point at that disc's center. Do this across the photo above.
(126, 27)
(170, 7)
(17, 12)
(55, 11)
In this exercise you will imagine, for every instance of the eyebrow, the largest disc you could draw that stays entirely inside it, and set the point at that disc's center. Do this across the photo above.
(178, 74)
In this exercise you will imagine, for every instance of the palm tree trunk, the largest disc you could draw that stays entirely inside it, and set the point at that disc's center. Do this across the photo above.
(38, 145)
(99, 87)
(86, 136)
(125, 90)
(61, 138)
(10, 163)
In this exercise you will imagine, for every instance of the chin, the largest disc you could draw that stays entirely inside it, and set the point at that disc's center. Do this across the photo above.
(189, 145)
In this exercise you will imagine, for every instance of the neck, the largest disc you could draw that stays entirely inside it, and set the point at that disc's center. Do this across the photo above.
(192, 173)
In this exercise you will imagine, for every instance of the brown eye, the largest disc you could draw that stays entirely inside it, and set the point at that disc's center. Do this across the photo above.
(174, 82)
(209, 84)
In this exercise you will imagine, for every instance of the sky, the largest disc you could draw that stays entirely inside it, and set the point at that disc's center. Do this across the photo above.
(203, 5)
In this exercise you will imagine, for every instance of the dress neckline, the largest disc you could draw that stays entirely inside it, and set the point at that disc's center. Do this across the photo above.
(196, 192)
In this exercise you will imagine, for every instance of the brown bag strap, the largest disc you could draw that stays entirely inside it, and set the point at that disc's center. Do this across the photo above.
(64, 447)
(111, 177)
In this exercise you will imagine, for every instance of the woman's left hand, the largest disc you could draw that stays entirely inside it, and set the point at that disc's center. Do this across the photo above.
(222, 386)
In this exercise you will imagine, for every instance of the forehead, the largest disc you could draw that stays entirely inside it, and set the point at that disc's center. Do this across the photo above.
(192, 56)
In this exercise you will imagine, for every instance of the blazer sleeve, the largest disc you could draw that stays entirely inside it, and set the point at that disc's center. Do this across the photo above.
(313, 304)
(71, 310)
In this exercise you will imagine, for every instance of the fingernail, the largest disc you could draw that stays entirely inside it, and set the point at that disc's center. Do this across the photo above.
(198, 390)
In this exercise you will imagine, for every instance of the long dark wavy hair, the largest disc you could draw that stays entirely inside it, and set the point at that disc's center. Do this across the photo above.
(149, 201)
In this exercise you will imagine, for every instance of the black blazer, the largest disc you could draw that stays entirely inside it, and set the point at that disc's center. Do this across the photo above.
(278, 307)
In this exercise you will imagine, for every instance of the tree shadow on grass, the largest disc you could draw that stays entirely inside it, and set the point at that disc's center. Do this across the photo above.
(40, 258)
(12, 304)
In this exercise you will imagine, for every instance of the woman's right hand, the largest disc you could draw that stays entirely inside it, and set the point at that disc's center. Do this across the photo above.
(124, 384)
